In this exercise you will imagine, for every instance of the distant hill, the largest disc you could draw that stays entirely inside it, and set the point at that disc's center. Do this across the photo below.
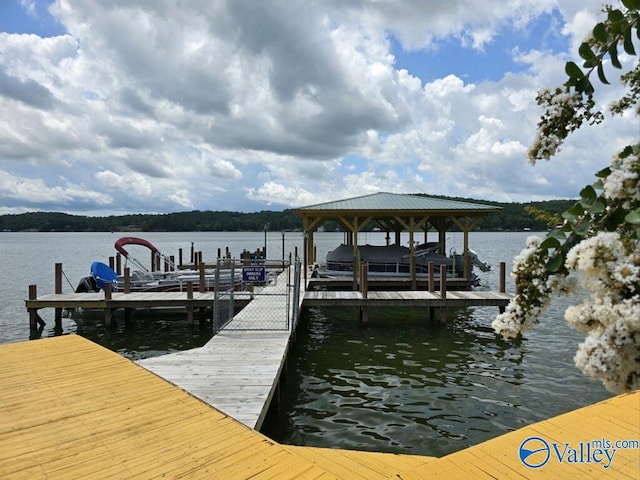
(512, 217)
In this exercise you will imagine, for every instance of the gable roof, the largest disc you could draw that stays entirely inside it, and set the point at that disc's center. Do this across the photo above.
(385, 202)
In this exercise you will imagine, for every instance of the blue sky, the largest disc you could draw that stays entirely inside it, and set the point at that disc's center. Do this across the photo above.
(29, 17)
(110, 107)
(486, 64)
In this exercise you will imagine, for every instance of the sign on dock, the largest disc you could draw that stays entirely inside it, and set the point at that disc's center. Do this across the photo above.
(254, 273)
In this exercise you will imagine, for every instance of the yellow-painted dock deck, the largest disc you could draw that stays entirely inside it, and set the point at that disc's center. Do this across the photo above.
(72, 409)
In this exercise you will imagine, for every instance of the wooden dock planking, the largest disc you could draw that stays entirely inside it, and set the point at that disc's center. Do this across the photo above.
(238, 370)
(353, 464)
(411, 298)
(97, 300)
(119, 421)
(70, 408)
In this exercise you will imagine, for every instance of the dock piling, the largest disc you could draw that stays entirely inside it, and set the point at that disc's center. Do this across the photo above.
(443, 292)
(58, 290)
(430, 287)
(364, 289)
(35, 322)
(190, 297)
(127, 280)
(107, 310)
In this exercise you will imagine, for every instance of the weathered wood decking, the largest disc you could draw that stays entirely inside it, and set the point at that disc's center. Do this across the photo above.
(411, 298)
(70, 408)
(238, 370)
(347, 298)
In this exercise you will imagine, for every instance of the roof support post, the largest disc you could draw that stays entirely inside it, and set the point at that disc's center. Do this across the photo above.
(356, 257)
(308, 229)
(466, 224)
(412, 254)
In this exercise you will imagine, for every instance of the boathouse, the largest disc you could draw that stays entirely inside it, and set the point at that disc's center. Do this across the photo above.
(394, 213)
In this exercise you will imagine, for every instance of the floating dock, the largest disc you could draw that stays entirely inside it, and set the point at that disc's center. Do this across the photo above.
(70, 408)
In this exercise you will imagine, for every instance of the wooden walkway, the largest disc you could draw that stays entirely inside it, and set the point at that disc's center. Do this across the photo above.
(326, 298)
(411, 298)
(133, 300)
(70, 408)
(238, 370)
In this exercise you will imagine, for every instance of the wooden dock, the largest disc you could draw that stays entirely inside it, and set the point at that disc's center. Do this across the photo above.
(410, 298)
(239, 369)
(70, 408)
(188, 301)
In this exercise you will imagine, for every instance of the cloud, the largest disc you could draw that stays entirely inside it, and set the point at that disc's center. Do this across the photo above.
(245, 105)
(27, 91)
(19, 194)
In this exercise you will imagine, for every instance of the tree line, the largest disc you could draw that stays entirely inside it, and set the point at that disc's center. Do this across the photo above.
(512, 216)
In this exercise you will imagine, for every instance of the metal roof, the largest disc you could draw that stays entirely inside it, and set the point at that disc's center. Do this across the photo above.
(400, 202)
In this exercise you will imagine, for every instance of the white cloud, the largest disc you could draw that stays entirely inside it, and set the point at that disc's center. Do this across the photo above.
(282, 103)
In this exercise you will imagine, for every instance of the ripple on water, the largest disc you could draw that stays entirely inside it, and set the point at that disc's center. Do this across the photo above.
(404, 385)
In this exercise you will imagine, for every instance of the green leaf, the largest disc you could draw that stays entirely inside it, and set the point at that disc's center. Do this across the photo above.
(615, 218)
(631, 4)
(613, 53)
(616, 17)
(585, 51)
(584, 85)
(601, 75)
(582, 228)
(628, 43)
(577, 209)
(569, 217)
(633, 217)
(550, 243)
(604, 173)
(588, 193)
(600, 33)
(557, 234)
(555, 263)
(626, 151)
(598, 207)
(573, 70)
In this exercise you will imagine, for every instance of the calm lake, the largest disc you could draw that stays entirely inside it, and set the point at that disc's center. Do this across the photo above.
(401, 384)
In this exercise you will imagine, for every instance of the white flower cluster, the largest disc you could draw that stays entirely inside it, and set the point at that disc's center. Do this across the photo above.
(561, 107)
(611, 354)
(610, 317)
(605, 265)
(622, 183)
(534, 290)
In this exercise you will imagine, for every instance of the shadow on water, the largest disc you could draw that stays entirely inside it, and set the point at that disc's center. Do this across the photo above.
(147, 334)
(403, 384)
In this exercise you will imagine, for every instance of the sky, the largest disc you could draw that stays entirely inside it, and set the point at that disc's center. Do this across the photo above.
(110, 107)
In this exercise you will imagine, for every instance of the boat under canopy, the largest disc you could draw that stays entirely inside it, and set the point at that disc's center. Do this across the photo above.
(394, 214)
(395, 261)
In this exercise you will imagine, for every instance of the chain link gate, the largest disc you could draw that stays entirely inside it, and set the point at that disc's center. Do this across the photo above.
(262, 300)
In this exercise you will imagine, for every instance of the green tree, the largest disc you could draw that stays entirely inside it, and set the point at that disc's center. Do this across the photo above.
(600, 237)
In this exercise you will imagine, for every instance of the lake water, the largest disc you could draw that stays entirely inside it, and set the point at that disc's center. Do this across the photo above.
(401, 384)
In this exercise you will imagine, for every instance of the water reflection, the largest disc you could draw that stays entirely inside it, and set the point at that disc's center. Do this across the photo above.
(146, 335)
(403, 384)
